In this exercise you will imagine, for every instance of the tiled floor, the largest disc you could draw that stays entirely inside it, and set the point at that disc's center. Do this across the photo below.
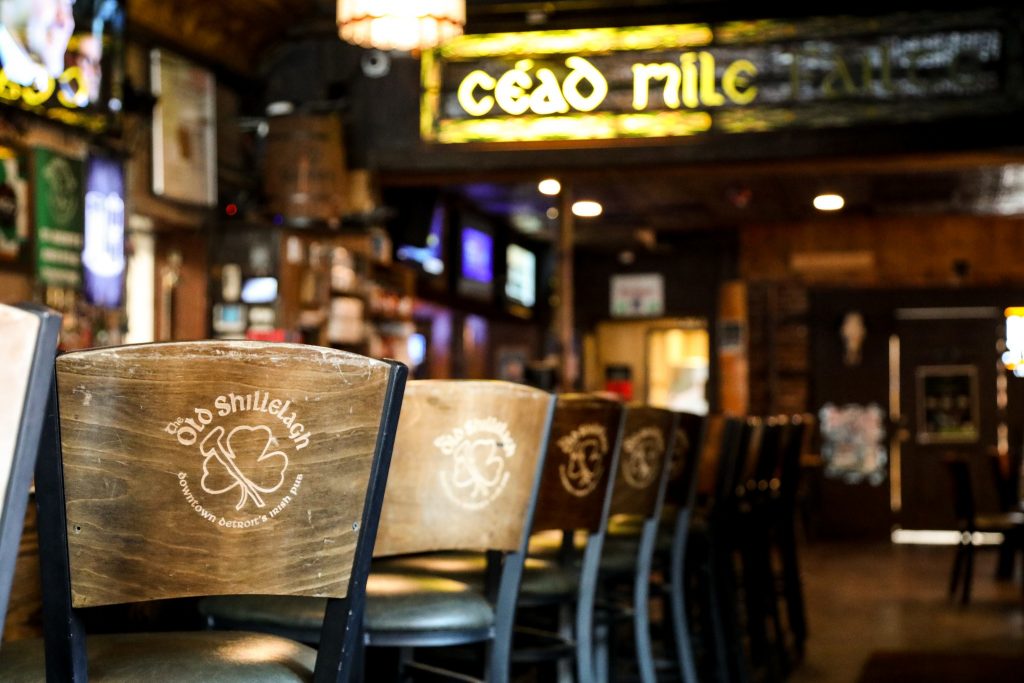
(866, 598)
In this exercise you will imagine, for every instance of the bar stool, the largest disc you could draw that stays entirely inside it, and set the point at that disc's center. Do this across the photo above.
(208, 468)
(460, 499)
(637, 499)
(28, 344)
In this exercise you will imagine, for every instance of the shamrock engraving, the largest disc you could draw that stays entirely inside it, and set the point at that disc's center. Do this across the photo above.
(247, 459)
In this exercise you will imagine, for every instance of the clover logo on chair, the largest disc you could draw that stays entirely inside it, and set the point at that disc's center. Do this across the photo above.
(641, 453)
(243, 460)
(585, 449)
(478, 472)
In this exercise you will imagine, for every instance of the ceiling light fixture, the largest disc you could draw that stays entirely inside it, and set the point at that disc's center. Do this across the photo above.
(829, 202)
(549, 186)
(587, 208)
(406, 25)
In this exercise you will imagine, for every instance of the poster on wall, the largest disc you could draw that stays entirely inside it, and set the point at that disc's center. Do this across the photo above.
(13, 207)
(59, 220)
(853, 443)
(637, 296)
(184, 130)
(947, 404)
(103, 261)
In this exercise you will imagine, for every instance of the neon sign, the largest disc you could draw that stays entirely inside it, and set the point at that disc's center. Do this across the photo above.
(667, 81)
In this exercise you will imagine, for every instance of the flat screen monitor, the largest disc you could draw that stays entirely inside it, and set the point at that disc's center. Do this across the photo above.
(477, 273)
(103, 261)
(64, 58)
(259, 290)
(521, 283)
(431, 256)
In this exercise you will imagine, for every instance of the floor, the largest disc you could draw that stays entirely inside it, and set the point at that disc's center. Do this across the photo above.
(863, 599)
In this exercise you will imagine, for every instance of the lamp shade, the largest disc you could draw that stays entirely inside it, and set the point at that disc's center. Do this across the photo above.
(400, 24)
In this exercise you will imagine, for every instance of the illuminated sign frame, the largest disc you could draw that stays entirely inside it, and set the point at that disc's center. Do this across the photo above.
(738, 77)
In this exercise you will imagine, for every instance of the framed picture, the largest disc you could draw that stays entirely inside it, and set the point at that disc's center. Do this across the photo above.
(184, 130)
(947, 404)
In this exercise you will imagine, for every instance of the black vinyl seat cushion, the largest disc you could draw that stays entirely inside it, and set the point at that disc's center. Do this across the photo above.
(618, 554)
(542, 578)
(199, 657)
(394, 602)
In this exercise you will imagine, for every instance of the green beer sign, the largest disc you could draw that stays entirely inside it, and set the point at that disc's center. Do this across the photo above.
(60, 219)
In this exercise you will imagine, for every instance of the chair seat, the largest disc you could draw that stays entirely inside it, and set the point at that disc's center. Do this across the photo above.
(1003, 521)
(394, 602)
(541, 577)
(201, 657)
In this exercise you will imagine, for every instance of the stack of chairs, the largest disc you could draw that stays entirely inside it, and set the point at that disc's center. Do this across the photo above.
(441, 529)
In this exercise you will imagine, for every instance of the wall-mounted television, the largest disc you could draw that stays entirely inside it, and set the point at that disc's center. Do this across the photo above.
(64, 59)
(476, 276)
(259, 290)
(521, 277)
(430, 255)
(103, 261)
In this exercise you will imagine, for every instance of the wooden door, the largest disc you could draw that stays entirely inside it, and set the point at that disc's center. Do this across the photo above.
(948, 408)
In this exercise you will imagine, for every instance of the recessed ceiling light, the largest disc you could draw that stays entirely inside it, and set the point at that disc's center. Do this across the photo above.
(552, 213)
(586, 208)
(829, 202)
(549, 186)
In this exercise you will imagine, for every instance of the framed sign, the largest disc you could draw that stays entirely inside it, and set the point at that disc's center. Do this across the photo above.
(947, 404)
(14, 213)
(622, 83)
(184, 130)
(637, 296)
(60, 220)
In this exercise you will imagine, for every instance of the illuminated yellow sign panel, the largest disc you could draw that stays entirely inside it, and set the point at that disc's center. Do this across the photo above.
(668, 81)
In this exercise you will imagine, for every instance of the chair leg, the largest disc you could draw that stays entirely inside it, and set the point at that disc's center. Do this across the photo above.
(641, 595)
(968, 574)
(954, 579)
(585, 651)
(677, 600)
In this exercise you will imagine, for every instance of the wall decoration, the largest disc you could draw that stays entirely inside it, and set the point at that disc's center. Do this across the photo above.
(13, 204)
(184, 130)
(59, 219)
(947, 404)
(103, 257)
(853, 443)
(639, 295)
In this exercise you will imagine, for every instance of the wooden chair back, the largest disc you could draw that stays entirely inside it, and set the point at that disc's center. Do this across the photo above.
(466, 468)
(584, 437)
(646, 448)
(28, 345)
(724, 441)
(686, 449)
(213, 468)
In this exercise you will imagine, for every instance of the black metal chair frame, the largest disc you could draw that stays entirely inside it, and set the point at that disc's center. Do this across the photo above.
(65, 638)
(30, 427)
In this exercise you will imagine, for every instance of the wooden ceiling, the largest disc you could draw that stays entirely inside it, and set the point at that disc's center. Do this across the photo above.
(233, 34)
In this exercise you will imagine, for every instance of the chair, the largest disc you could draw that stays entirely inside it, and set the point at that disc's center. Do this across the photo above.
(468, 463)
(638, 494)
(28, 344)
(450, 555)
(1010, 524)
(208, 468)
(680, 495)
(720, 655)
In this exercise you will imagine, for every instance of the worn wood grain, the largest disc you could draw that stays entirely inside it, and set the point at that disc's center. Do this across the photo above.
(646, 443)
(212, 468)
(465, 463)
(25, 609)
(584, 433)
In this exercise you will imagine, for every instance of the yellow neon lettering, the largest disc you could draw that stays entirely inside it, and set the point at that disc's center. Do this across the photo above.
(9, 90)
(467, 97)
(547, 97)
(33, 97)
(689, 67)
(642, 76)
(582, 69)
(838, 81)
(80, 98)
(736, 81)
(708, 95)
(510, 92)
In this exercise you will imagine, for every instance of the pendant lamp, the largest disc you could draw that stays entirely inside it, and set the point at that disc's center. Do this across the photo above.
(406, 25)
